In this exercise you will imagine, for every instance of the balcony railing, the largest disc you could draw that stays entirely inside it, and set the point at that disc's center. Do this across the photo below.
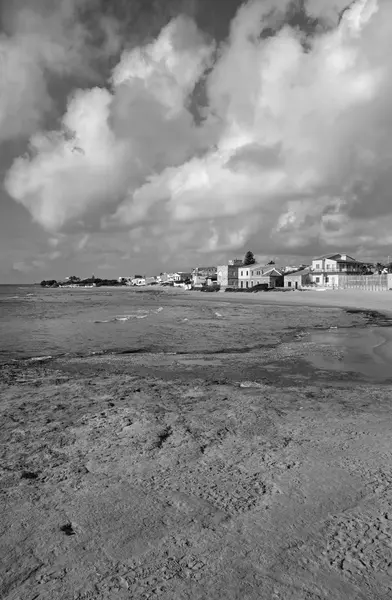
(345, 271)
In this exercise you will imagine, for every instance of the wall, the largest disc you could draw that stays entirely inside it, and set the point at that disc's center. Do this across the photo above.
(365, 282)
(244, 275)
(227, 276)
(300, 280)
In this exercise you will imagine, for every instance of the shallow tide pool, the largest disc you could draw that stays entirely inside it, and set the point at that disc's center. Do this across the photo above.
(366, 351)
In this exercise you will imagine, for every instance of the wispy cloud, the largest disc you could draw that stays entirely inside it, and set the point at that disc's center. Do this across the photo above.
(294, 142)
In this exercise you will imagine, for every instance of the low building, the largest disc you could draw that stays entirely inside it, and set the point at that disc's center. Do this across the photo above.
(166, 277)
(251, 275)
(150, 280)
(139, 280)
(181, 276)
(325, 270)
(201, 274)
(298, 279)
(271, 277)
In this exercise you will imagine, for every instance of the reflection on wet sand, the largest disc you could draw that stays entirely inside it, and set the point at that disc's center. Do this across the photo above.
(364, 351)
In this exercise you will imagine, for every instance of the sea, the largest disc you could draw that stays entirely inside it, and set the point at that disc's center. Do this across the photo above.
(36, 322)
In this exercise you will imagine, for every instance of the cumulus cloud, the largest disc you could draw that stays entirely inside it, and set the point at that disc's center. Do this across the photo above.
(111, 141)
(293, 143)
(41, 40)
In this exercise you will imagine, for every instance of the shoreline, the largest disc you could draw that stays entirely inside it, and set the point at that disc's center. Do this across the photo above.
(170, 475)
(344, 299)
(373, 318)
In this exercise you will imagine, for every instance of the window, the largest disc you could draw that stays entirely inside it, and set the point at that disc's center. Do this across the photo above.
(247, 273)
(247, 283)
(242, 273)
(318, 266)
(242, 284)
(289, 284)
(317, 279)
(326, 279)
(258, 272)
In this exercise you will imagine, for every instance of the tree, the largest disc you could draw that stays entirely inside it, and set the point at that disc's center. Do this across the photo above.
(364, 270)
(271, 262)
(379, 267)
(249, 258)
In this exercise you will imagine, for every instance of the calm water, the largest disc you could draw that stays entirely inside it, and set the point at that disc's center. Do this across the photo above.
(36, 322)
(39, 322)
(367, 351)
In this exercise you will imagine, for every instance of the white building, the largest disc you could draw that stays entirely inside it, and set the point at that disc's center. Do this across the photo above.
(139, 281)
(325, 270)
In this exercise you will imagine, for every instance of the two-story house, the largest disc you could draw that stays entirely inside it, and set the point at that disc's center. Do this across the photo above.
(325, 270)
(252, 275)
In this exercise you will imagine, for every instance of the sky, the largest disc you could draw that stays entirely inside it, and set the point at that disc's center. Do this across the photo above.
(148, 136)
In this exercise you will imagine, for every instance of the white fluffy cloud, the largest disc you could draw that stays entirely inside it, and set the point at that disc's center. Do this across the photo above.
(41, 40)
(294, 144)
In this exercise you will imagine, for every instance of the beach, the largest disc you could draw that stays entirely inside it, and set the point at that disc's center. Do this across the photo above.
(216, 445)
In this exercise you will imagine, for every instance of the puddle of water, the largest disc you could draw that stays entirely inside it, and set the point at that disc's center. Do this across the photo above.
(367, 352)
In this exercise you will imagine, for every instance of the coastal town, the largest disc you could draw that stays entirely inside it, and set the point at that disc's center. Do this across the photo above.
(331, 271)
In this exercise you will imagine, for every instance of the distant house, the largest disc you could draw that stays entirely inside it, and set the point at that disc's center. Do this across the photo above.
(298, 279)
(165, 277)
(181, 276)
(251, 275)
(139, 280)
(201, 274)
(150, 280)
(272, 277)
(325, 270)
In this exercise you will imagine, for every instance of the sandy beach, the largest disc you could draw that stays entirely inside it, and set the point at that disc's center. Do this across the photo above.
(241, 462)
(361, 299)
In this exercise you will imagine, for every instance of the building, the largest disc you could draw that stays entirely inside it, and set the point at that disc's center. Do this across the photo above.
(272, 277)
(139, 280)
(200, 275)
(150, 280)
(326, 269)
(181, 276)
(244, 276)
(227, 276)
(125, 280)
(298, 279)
(166, 277)
(251, 275)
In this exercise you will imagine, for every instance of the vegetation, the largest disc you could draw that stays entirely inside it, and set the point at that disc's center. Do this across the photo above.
(80, 282)
(210, 288)
(249, 258)
(379, 267)
(49, 283)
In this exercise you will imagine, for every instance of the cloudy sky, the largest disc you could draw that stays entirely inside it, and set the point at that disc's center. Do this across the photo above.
(146, 135)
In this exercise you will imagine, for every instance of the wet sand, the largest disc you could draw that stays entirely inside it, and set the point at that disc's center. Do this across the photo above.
(236, 468)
